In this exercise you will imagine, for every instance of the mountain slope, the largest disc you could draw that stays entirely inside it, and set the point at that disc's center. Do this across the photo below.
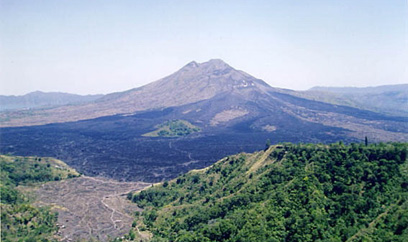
(285, 193)
(43, 100)
(194, 82)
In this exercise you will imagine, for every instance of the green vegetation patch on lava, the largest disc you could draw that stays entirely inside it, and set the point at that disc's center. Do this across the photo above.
(173, 128)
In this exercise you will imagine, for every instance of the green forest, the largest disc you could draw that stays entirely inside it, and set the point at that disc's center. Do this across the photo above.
(20, 220)
(288, 192)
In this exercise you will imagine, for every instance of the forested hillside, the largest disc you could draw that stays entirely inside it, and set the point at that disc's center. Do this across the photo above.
(20, 220)
(288, 192)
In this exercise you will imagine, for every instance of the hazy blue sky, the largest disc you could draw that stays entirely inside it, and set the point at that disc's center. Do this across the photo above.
(105, 46)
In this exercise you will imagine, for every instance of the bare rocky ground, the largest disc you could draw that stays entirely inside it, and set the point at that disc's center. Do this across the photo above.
(90, 208)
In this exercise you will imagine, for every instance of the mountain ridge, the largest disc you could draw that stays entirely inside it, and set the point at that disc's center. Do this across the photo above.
(386, 99)
(381, 88)
(289, 192)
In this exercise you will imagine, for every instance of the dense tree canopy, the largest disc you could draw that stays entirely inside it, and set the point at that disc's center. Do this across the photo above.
(289, 192)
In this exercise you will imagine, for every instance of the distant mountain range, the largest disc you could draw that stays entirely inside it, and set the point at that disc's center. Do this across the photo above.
(35, 100)
(389, 99)
(232, 110)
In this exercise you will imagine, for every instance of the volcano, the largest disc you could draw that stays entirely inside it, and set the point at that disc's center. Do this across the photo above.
(229, 111)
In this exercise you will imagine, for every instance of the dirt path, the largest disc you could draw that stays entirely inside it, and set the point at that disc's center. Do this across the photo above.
(191, 161)
(90, 207)
(373, 223)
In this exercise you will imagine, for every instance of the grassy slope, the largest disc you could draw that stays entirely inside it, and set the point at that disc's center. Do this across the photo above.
(286, 193)
(20, 220)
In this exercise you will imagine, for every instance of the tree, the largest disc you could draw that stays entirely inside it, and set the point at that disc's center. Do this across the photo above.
(268, 144)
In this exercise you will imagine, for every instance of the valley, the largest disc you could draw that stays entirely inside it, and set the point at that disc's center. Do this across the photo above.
(203, 121)
(115, 146)
(175, 129)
